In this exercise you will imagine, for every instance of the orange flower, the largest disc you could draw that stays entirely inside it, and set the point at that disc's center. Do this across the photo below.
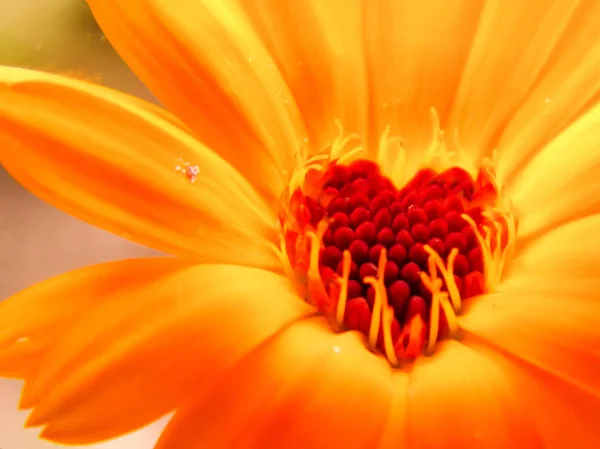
(451, 290)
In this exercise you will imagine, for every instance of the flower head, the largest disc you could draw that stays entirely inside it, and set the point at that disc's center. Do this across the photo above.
(347, 276)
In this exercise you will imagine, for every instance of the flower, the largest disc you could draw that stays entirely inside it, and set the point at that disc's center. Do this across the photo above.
(490, 339)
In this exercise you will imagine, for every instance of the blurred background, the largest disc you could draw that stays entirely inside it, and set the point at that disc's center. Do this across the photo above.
(37, 241)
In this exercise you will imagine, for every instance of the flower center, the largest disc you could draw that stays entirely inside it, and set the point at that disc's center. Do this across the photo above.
(396, 264)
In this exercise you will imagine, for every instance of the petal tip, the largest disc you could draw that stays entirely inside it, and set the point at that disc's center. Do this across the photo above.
(37, 418)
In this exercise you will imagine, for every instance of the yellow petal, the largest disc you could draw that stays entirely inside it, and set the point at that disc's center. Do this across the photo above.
(459, 398)
(514, 41)
(110, 160)
(319, 47)
(564, 261)
(31, 321)
(204, 62)
(304, 388)
(561, 183)
(568, 86)
(144, 348)
(416, 53)
(547, 312)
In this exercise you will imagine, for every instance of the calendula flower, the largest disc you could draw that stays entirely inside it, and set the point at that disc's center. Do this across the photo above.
(347, 275)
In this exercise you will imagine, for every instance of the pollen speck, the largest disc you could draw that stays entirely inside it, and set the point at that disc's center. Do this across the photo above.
(188, 170)
(192, 172)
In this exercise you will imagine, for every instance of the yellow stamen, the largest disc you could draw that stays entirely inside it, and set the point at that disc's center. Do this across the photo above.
(382, 313)
(341, 305)
(288, 269)
(350, 155)
(318, 158)
(448, 274)
(486, 251)
(399, 162)
(313, 166)
(376, 316)
(315, 284)
(378, 303)
(387, 316)
(494, 262)
(302, 261)
(488, 237)
(341, 141)
(297, 178)
(434, 321)
(383, 150)
(438, 299)
(511, 230)
(432, 151)
(281, 253)
(434, 285)
(449, 313)
(415, 330)
(438, 156)
(386, 155)
(498, 248)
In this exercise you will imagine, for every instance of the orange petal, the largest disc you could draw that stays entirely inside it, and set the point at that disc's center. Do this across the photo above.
(561, 182)
(45, 310)
(563, 416)
(319, 48)
(304, 388)
(555, 334)
(459, 398)
(514, 41)
(394, 433)
(110, 160)
(140, 352)
(568, 85)
(204, 62)
(25, 337)
(22, 357)
(416, 53)
(547, 312)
